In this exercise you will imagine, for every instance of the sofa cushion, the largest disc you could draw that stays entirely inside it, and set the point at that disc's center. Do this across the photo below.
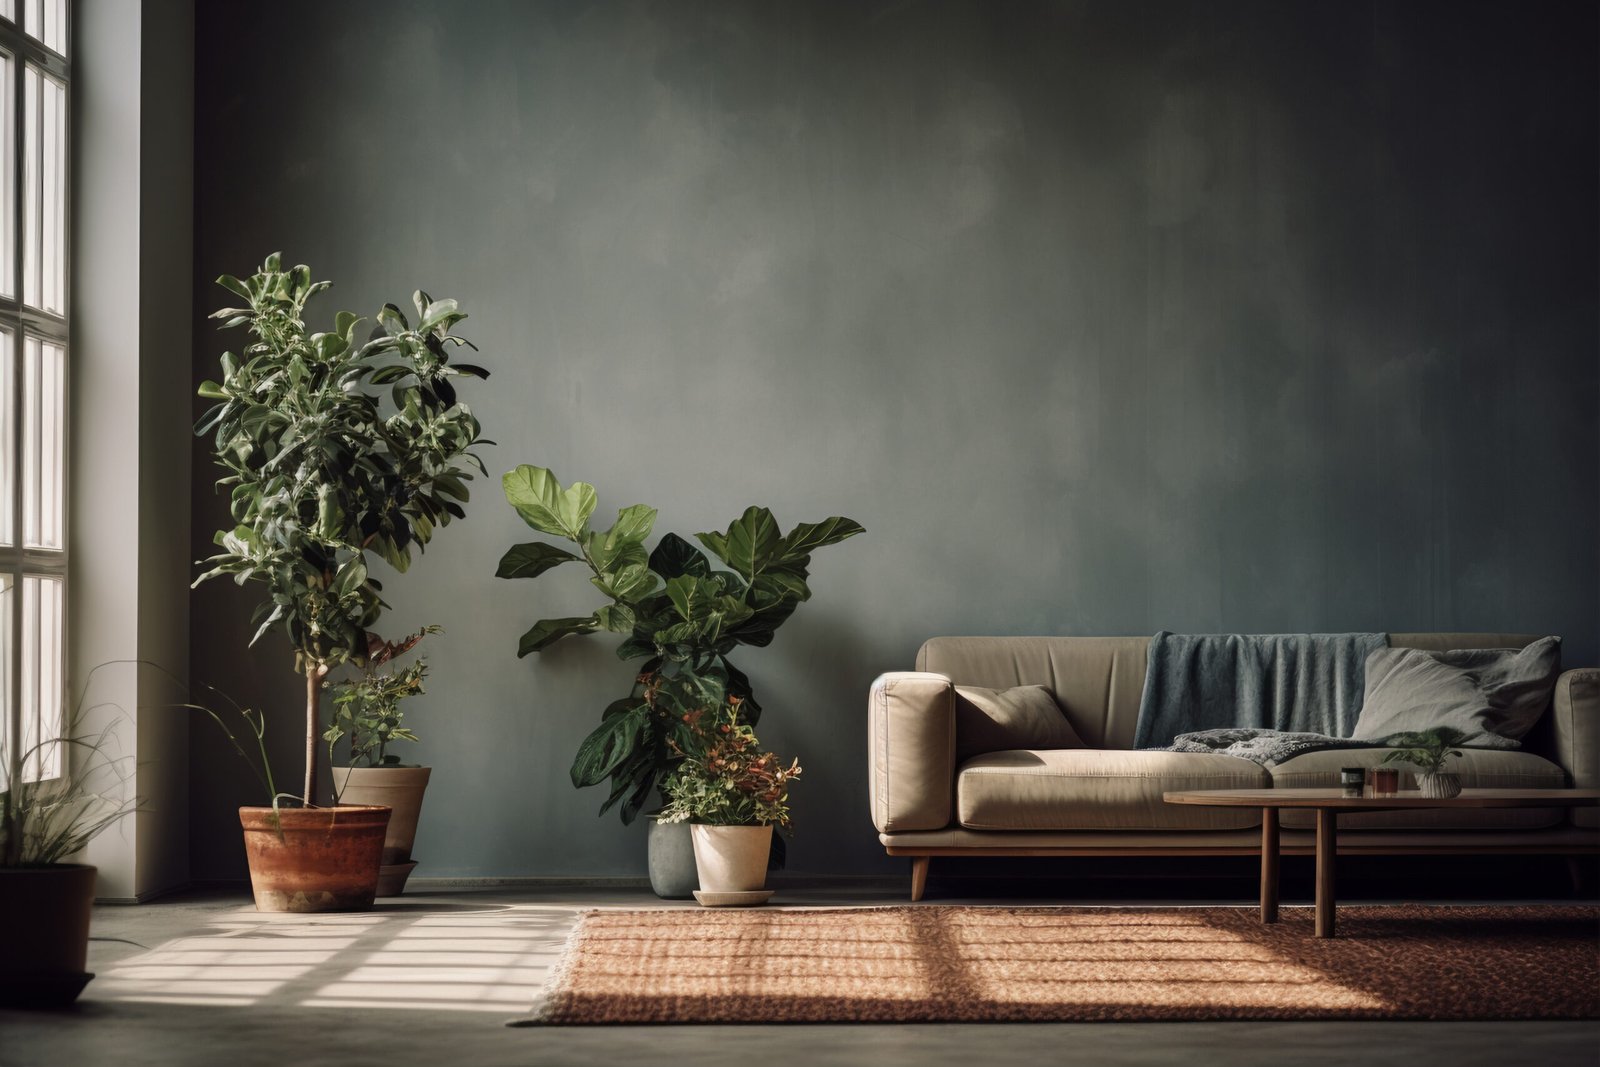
(1098, 789)
(998, 720)
(1497, 694)
(1479, 769)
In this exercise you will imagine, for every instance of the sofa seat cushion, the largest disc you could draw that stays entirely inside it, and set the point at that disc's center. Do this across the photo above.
(1479, 769)
(1099, 789)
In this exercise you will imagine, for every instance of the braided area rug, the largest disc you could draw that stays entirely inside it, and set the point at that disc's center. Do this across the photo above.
(1001, 964)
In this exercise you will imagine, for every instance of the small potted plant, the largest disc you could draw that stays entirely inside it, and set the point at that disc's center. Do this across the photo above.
(680, 611)
(45, 900)
(1429, 751)
(333, 449)
(732, 793)
(366, 710)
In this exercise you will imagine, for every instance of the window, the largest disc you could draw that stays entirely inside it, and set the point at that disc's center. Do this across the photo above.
(34, 368)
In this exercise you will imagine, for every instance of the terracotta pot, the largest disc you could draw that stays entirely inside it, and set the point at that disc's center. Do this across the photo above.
(314, 859)
(44, 934)
(401, 788)
(731, 859)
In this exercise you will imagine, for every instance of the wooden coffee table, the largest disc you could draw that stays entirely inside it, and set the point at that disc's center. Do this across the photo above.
(1328, 803)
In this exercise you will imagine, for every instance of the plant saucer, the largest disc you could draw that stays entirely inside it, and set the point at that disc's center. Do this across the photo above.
(733, 900)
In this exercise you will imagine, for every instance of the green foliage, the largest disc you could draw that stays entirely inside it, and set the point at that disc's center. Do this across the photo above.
(677, 611)
(723, 778)
(1428, 750)
(332, 448)
(366, 708)
(44, 823)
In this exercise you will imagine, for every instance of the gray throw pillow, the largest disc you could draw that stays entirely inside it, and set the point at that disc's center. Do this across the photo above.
(998, 720)
(1495, 693)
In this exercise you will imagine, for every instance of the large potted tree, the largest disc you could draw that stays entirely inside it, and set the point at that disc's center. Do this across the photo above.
(323, 466)
(679, 614)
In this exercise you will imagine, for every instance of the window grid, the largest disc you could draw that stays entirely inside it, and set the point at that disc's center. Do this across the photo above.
(35, 372)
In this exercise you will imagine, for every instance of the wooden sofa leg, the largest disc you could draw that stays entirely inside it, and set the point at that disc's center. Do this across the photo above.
(919, 876)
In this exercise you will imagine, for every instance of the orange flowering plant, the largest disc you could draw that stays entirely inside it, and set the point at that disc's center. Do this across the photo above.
(723, 777)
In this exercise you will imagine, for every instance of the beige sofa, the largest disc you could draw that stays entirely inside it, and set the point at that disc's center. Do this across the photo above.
(1105, 799)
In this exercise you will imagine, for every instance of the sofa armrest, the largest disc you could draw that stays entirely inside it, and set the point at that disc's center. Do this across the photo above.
(1576, 710)
(911, 741)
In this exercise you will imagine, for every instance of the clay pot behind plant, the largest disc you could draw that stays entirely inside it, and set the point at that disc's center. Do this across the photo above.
(401, 789)
(314, 859)
(44, 934)
(731, 859)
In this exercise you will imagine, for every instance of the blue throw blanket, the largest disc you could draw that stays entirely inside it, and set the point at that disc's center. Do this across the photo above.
(1297, 683)
(1266, 747)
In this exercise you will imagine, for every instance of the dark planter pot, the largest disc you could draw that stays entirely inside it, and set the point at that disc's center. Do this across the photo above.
(671, 853)
(314, 859)
(44, 934)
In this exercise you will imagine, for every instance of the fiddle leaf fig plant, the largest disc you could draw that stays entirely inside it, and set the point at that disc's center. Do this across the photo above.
(323, 465)
(677, 611)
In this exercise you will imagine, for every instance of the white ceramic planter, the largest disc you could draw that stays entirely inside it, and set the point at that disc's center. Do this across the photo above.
(1439, 786)
(731, 859)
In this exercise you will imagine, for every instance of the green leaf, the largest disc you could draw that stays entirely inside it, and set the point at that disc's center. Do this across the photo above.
(691, 596)
(210, 390)
(634, 523)
(627, 583)
(775, 586)
(547, 632)
(438, 312)
(574, 507)
(234, 285)
(616, 618)
(531, 560)
(351, 577)
(392, 320)
(535, 493)
(674, 556)
(807, 537)
(614, 742)
(749, 544)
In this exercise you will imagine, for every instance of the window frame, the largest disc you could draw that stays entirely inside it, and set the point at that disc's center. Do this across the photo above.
(23, 323)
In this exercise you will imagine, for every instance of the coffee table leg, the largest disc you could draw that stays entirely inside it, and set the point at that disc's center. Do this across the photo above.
(1269, 865)
(1327, 851)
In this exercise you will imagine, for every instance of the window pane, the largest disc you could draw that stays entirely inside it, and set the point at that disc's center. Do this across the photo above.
(43, 419)
(47, 22)
(8, 440)
(7, 591)
(8, 178)
(41, 677)
(44, 133)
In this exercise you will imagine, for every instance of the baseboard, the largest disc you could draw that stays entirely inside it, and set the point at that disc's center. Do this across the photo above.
(147, 896)
(530, 881)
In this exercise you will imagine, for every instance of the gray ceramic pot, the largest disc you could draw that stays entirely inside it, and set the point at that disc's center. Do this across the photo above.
(672, 870)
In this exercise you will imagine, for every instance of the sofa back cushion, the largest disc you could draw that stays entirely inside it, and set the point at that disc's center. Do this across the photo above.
(1494, 696)
(998, 720)
(1098, 681)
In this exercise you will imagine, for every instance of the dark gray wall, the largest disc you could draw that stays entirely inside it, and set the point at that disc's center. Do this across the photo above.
(1102, 317)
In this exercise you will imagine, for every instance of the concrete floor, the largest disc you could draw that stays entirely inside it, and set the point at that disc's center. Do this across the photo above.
(432, 977)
